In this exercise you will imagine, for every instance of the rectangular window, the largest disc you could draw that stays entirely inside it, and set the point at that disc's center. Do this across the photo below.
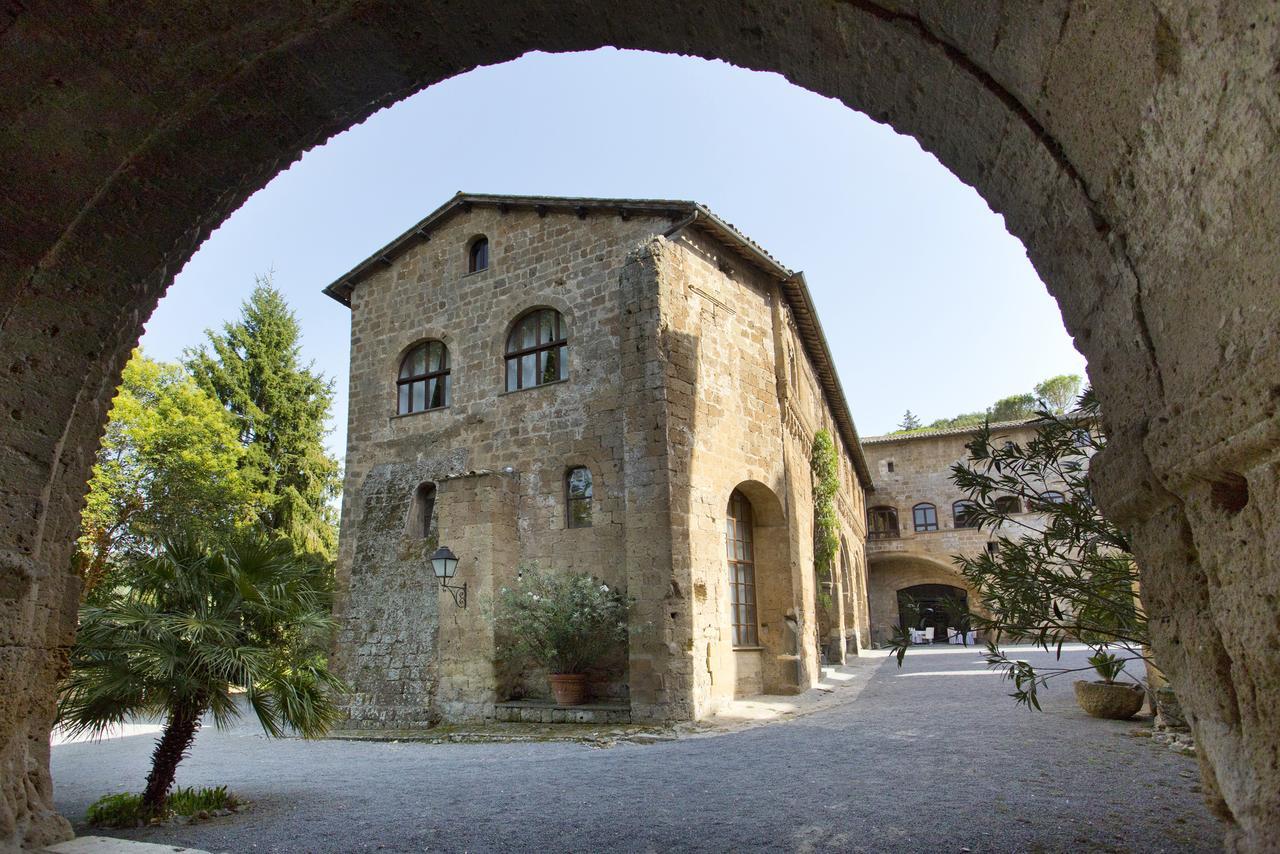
(965, 513)
(882, 523)
(528, 370)
(550, 365)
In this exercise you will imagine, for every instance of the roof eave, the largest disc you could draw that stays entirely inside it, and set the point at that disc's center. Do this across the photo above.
(340, 289)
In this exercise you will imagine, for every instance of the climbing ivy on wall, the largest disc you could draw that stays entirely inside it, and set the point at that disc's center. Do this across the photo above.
(823, 464)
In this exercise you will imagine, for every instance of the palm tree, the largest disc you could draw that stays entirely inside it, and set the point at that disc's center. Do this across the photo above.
(195, 624)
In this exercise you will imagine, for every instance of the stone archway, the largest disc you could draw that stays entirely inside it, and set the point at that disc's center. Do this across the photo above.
(888, 575)
(774, 663)
(1130, 147)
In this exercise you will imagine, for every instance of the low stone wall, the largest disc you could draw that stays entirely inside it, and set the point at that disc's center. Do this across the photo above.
(547, 712)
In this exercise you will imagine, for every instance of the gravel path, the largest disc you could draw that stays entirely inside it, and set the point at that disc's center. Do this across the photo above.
(933, 757)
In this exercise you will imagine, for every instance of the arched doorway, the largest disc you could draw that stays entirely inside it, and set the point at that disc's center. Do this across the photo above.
(1111, 195)
(913, 590)
(932, 606)
(765, 651)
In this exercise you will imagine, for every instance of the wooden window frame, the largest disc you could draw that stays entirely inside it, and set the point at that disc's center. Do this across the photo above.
(915, 519)
(479, 242)
(893, 532)
(570, 520)
(1007, 500)
(442, 376)
(957, 509)
(743, 611)
(538, 351)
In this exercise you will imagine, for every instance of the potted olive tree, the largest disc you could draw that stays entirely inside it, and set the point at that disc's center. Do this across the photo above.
(1108, 698)
(565, 624)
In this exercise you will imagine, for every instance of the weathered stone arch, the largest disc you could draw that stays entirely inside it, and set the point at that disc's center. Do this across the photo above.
(1130, 147)
(889, 573)
(765, 504)
(777, 590)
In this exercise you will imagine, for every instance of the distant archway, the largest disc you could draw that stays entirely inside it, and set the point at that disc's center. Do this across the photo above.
(890, 576)
(930, 606)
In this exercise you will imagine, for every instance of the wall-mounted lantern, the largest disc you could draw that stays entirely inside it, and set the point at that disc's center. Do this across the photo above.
(444, 564)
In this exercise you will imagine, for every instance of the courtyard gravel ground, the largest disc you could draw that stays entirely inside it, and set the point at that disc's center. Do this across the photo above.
(933, 757)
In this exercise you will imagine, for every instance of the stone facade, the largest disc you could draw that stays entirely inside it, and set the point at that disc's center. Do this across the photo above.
(689, 377)
(1129, 146)
(913, 470)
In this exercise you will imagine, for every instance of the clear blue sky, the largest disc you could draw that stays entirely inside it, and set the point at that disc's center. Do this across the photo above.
(927, 302)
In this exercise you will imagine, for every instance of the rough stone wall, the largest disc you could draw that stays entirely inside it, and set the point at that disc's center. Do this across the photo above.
(557, 260)
(745, 401)
(656, 556)
(479, 513)
(922, 473)
(1130, 147)
(386, 646)
(892, 572)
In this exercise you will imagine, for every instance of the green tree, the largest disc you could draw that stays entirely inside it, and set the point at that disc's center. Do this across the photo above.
(170, 457)
(281, 407)
(909, 422)
(194, 624)
(1016, 407)
(1058, 393)
(967, 419)
(1068, 575)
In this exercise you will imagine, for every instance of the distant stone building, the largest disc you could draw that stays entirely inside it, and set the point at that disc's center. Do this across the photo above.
(917, 522)
(594, 385)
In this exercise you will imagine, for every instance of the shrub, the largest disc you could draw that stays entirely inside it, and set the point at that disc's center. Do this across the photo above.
(1107, 665)
(565, 623)
(126, 809)
(123, 809)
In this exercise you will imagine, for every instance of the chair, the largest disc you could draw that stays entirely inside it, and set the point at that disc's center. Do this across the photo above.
(928, 635)
(917, 636)
(952, 635)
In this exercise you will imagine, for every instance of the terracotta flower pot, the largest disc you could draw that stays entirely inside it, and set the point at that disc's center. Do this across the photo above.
(1117, 701)
(570, 689)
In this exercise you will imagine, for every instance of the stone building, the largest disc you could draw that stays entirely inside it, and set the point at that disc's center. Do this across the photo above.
(916, 523)
(592, 385)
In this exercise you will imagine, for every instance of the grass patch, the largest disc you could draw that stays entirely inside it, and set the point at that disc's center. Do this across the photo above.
(125, 809)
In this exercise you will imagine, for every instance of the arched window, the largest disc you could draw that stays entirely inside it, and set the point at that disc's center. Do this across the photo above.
(421, 522)
(577, 489)
(478, 255)
(424, 379)
(1008, 504)
(882, 523)
(537, 350)
(740, 551)
(925, 517)
(965, 514)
